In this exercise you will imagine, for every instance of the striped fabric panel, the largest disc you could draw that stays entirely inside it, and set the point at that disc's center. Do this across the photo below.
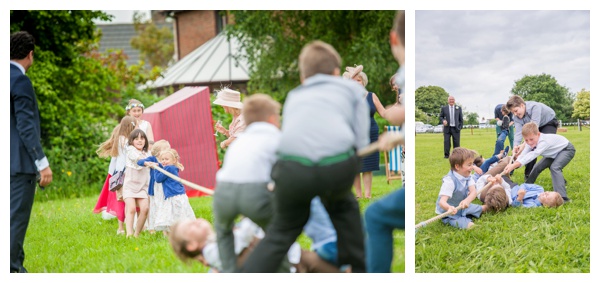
(185, 120)
(396, 162)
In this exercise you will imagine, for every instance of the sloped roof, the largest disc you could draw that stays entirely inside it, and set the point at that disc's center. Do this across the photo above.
(213, 62)
(118, 36)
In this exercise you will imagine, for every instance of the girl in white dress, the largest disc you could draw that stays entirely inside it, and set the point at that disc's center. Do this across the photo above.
(135, 109)
(176, 205)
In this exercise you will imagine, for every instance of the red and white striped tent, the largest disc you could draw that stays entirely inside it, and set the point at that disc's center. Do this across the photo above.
(184, 119)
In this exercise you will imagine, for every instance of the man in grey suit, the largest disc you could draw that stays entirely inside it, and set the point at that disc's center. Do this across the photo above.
(452, 118)
(27, 159)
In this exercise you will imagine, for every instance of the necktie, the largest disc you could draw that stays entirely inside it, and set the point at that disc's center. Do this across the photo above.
(451, 115)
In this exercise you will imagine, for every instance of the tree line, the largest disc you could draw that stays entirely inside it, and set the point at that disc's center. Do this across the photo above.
(542, 88)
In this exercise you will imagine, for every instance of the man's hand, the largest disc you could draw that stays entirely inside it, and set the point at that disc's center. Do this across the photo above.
(445, 122)
(45, 177)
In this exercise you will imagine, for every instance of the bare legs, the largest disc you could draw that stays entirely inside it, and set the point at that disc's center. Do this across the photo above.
(130, 209)
(367, 179)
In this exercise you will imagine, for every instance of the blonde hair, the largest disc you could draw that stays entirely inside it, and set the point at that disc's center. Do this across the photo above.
(110, 147)
(365, 79)
(259, 107)
(459, 155)
(514, 101)
(496, 198)
(159, 146)
(179, 242)
(318, 57)
(555, 201)
(232, 110)
(179, 245)
(175, 155)
(134, 103)
(530, 128)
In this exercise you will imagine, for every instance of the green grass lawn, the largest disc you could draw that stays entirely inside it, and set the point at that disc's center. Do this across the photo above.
(64, 236)
(517, 240)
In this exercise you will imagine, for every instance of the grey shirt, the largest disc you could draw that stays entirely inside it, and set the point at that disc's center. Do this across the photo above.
(534, 112)
(325, 116)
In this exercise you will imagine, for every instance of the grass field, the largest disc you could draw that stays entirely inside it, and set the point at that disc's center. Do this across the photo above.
(64, 236)
(517, 240)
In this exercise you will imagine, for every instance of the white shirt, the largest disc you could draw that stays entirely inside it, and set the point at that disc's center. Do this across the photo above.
(549, 145)
(251, 156)
(448, 183)
(244, 233)
(118, 163)
(482, 181)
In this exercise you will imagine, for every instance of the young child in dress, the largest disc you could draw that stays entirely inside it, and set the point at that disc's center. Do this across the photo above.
(458, 189)
(135, 185)
(176, 205)
(194, 239)
(155, 190)
(246, 172)
(115, 147)
(556, 150)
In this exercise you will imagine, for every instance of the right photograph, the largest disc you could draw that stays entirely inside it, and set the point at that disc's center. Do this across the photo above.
(502, 141)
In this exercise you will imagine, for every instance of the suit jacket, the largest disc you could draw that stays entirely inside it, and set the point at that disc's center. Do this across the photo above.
(458, 117)
(25, 144)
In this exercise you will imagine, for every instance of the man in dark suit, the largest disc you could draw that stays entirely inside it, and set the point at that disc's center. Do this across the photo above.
(27, 159)
(452, 118)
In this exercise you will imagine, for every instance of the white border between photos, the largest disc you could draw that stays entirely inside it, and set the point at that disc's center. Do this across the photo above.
(410, 7)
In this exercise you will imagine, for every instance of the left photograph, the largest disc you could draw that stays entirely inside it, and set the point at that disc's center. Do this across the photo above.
(203, 141)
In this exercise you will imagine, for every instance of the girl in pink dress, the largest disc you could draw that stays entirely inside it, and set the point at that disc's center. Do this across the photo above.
(115, 148)
(135, 185)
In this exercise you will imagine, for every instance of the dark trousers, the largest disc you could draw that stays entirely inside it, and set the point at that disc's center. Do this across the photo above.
(549, 128)
(295, 186)
(555, 165)
(453, 132)
(22, 191)
(381, 218)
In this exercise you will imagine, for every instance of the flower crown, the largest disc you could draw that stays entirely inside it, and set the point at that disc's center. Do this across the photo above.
(134, 105)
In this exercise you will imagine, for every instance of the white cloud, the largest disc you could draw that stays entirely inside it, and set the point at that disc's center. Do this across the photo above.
(476, 56)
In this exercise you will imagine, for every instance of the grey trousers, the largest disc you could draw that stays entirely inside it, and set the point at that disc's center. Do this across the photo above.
(556, 165)
(252, 200)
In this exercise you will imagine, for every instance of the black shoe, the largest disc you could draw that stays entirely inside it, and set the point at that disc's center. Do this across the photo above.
(505, 151)
(566, 199)
(446, 157)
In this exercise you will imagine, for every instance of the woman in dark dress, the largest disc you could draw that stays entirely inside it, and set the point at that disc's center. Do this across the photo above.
(369, 163)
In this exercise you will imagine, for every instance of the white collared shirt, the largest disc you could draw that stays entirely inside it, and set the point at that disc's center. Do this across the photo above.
(549, 145)
(448, 184)
(251, 155)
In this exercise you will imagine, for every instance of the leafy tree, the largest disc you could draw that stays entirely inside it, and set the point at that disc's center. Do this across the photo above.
(420, 116)
(430, 99)
(156, 45)
(545, 89)
(80, 102)
(471, 118)
(272, 41)
(581, 107)
(66, 34)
